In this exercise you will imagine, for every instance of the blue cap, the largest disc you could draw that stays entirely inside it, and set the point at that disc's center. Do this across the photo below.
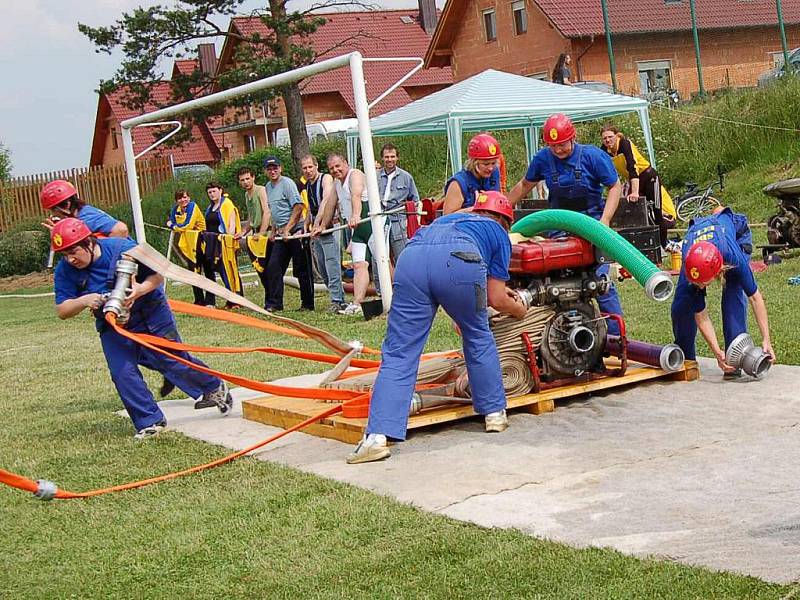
(271, 161)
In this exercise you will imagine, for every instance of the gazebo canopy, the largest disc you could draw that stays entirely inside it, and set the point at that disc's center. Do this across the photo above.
(494, 100)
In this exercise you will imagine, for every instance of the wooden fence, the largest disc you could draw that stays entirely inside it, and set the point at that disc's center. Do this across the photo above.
(100, 186)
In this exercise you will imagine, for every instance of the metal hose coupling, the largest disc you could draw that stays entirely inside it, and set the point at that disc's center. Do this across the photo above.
(659, 286)
(126, 269)
(744, 354)
(45, 490)
(356, 345)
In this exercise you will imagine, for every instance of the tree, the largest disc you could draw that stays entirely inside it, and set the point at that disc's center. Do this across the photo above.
(5, 163)
(148, 36)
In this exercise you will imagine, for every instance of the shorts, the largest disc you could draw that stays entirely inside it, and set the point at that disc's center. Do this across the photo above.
(362, 238)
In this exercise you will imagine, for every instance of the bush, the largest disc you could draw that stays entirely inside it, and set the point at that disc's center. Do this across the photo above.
(23, 252)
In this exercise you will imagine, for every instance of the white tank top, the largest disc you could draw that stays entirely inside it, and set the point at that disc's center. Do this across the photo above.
(345, 199)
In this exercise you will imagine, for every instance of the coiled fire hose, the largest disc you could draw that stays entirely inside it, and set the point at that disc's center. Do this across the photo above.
(512, 350)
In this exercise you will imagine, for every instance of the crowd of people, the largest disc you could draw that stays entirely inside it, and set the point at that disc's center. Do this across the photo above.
(460, 263)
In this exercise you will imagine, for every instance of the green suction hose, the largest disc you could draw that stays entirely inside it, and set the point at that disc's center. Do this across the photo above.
(657, 284)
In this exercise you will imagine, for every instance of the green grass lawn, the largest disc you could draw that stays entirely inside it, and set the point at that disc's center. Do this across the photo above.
(254, 529)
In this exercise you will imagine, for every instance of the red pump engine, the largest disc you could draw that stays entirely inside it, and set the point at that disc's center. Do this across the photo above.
(561, 273)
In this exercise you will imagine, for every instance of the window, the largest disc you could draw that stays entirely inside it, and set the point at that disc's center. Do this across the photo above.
(490, 25)
(541, 75)
(655, 77)
(249, 143)
(114, 141)
(520, 17)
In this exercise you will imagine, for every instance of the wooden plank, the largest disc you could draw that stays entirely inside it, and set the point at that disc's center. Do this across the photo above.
(285, 412)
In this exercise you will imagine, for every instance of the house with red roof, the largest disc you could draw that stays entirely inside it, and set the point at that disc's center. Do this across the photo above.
(203, 147)
(329, 96)
(652, 40)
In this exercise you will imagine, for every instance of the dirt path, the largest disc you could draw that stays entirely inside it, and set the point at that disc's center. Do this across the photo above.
(24, 282)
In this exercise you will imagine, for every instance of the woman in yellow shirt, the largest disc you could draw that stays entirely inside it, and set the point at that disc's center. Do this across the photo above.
(643, 179)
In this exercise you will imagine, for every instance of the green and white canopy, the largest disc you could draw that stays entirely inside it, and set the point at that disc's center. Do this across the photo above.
(494, 100)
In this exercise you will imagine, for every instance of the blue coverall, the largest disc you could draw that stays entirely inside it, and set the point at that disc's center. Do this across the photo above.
(445, 264)
(149, 314)
(470, 185)
(729, 232)
(576, 183)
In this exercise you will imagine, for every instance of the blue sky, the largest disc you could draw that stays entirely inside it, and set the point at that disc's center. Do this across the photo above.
(50, 70)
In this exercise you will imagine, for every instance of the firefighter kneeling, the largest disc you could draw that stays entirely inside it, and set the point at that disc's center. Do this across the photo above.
(89, 277)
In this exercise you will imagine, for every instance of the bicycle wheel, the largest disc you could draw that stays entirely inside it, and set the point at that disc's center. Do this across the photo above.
(696, 206)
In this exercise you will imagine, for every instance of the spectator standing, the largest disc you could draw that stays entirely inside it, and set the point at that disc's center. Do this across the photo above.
(258, 221)
(187, 220)
(351, 190)
(320, 193)
(561, 72)
(219, 245)
(286, 208)
(395, 186)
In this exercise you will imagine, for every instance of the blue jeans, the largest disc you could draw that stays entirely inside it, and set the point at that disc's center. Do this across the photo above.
(328, 258)
(428, 276)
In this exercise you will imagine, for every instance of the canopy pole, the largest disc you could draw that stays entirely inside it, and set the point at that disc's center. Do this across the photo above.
(644, 117)
(454, 143)
(352, 150)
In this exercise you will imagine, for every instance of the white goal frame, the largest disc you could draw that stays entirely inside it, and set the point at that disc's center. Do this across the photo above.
(356, 63)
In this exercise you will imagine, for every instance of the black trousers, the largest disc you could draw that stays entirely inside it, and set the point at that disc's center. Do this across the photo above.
(650, 187)
(296, 251)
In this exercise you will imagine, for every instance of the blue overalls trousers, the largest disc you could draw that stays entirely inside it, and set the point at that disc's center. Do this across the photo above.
(150, 314)
(429, 275)
(734, 299)
(570, 191)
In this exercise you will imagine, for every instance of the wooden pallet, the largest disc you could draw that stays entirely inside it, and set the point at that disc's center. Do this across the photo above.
(281, 411)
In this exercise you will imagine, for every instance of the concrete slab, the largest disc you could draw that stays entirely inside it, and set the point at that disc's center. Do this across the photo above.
(704, 473)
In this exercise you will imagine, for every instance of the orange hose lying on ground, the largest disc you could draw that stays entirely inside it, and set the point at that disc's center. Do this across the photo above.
(28, 485)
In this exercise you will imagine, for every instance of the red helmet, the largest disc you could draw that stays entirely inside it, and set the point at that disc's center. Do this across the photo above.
(68, 232)
(703, 262)
(558, 129)
(483, 147)
(55, 193)
(494, 202)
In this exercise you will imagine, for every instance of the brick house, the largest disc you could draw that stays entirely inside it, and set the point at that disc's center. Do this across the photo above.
(652, 39)
(328, 96)
(202, 148)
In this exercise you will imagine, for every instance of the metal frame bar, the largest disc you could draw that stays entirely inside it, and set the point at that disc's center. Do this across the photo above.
(356, 63)
(400, 81)
(160, 141)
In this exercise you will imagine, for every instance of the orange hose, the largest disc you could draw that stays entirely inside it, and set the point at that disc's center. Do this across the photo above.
(269, 388)
(23, 483)
(315, 356)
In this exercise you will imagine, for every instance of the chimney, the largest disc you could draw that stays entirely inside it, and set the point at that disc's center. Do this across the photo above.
(207, 54)
(427, 15)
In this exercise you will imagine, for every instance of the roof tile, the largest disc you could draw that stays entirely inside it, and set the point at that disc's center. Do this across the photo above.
(584, 17)
(376, 34)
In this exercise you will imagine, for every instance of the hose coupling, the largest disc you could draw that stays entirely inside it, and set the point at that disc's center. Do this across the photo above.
(356, 345)
(126, 269)
(45, 490)
(659, 286)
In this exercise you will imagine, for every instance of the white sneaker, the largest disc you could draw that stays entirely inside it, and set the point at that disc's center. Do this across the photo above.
(496, 422)
(371, 447)
(352, 309)
(151, 431)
